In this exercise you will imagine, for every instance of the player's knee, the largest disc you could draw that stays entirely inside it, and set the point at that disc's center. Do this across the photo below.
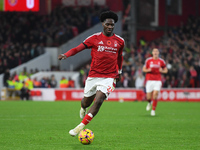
(155, 96)
(148, 96)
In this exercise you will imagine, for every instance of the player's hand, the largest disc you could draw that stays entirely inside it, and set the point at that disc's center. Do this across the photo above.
(62, 56)
(149, 70)
(118, 77)
(161, 70)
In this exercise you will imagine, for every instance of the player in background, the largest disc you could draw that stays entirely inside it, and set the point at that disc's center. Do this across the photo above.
(106, 67)
(153, 68)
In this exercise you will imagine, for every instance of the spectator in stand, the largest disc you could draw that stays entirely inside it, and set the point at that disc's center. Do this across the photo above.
(167, 84)
(36, 83)
(126, 80)
(139, 82)
(6, 76)
(193, 77)
(10, 82)
(44, 82)
(81, 80)
(48, 82)
(2, 68)
(197, 68)
(184, 82)
(15, 76)
(142, 41)
(163, 79)
(18, 86)
(29, 83)
(53, 82)
(173, 82)
(64, 82)
(132, 71)
(24, 92)
(22, 77)
(71, 83)
(87, 69)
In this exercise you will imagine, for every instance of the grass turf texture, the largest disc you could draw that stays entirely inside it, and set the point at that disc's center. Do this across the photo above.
(118, 126)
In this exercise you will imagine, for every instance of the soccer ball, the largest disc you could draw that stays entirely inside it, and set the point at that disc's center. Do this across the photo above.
(86, 136)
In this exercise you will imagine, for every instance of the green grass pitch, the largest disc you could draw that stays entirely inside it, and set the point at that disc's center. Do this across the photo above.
(28, 125)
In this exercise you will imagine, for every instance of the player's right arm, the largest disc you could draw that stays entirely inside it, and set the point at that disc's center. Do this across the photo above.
(87, 43)
(72, 51)
(146, 67)
(119, 63)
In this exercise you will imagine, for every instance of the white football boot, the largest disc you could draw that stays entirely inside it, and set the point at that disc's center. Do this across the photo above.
(77, 129)
(83, 112)
(153, 113)
(148, 106)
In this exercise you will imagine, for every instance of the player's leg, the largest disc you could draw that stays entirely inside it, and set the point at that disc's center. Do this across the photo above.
(89, 95)
(149, 90)
(156, 90)
(100, 97)
(148, 96)
(85, 103)
(154, 104)
(101, 87)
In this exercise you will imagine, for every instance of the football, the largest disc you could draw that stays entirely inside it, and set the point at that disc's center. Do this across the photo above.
(86, 136)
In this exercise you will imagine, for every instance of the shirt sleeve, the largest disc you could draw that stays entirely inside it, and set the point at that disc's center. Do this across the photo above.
(75, 50)
(146, 64)
(120, 57)
(88, 42)
(163, 64)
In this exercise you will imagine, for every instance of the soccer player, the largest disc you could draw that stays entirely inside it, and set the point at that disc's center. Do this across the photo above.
(106, 67)
(153, 68)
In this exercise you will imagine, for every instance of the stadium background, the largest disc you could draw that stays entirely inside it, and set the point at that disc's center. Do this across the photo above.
(51, 27)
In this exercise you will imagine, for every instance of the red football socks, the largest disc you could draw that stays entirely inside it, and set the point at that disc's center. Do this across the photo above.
(154, 104)
(87, 119)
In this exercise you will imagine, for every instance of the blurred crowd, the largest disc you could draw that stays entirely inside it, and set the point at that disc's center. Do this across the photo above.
(180, 48)
(24, 35)
(24, 78)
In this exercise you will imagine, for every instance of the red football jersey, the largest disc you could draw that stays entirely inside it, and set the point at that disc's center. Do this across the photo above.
(106, 54)
(154, 64)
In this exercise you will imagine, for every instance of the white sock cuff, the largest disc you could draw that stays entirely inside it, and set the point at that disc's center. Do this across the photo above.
(82, 124)
(90, 115)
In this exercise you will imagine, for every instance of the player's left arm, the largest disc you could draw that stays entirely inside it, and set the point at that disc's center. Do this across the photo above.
(119, 62)
(163, 68)
(72, 51)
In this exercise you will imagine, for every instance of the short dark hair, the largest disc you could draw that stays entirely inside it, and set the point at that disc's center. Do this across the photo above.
(108, 14)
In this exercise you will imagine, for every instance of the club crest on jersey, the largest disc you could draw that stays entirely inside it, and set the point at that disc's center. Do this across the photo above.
(12, 2)
(109, 43)
(115, 44)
